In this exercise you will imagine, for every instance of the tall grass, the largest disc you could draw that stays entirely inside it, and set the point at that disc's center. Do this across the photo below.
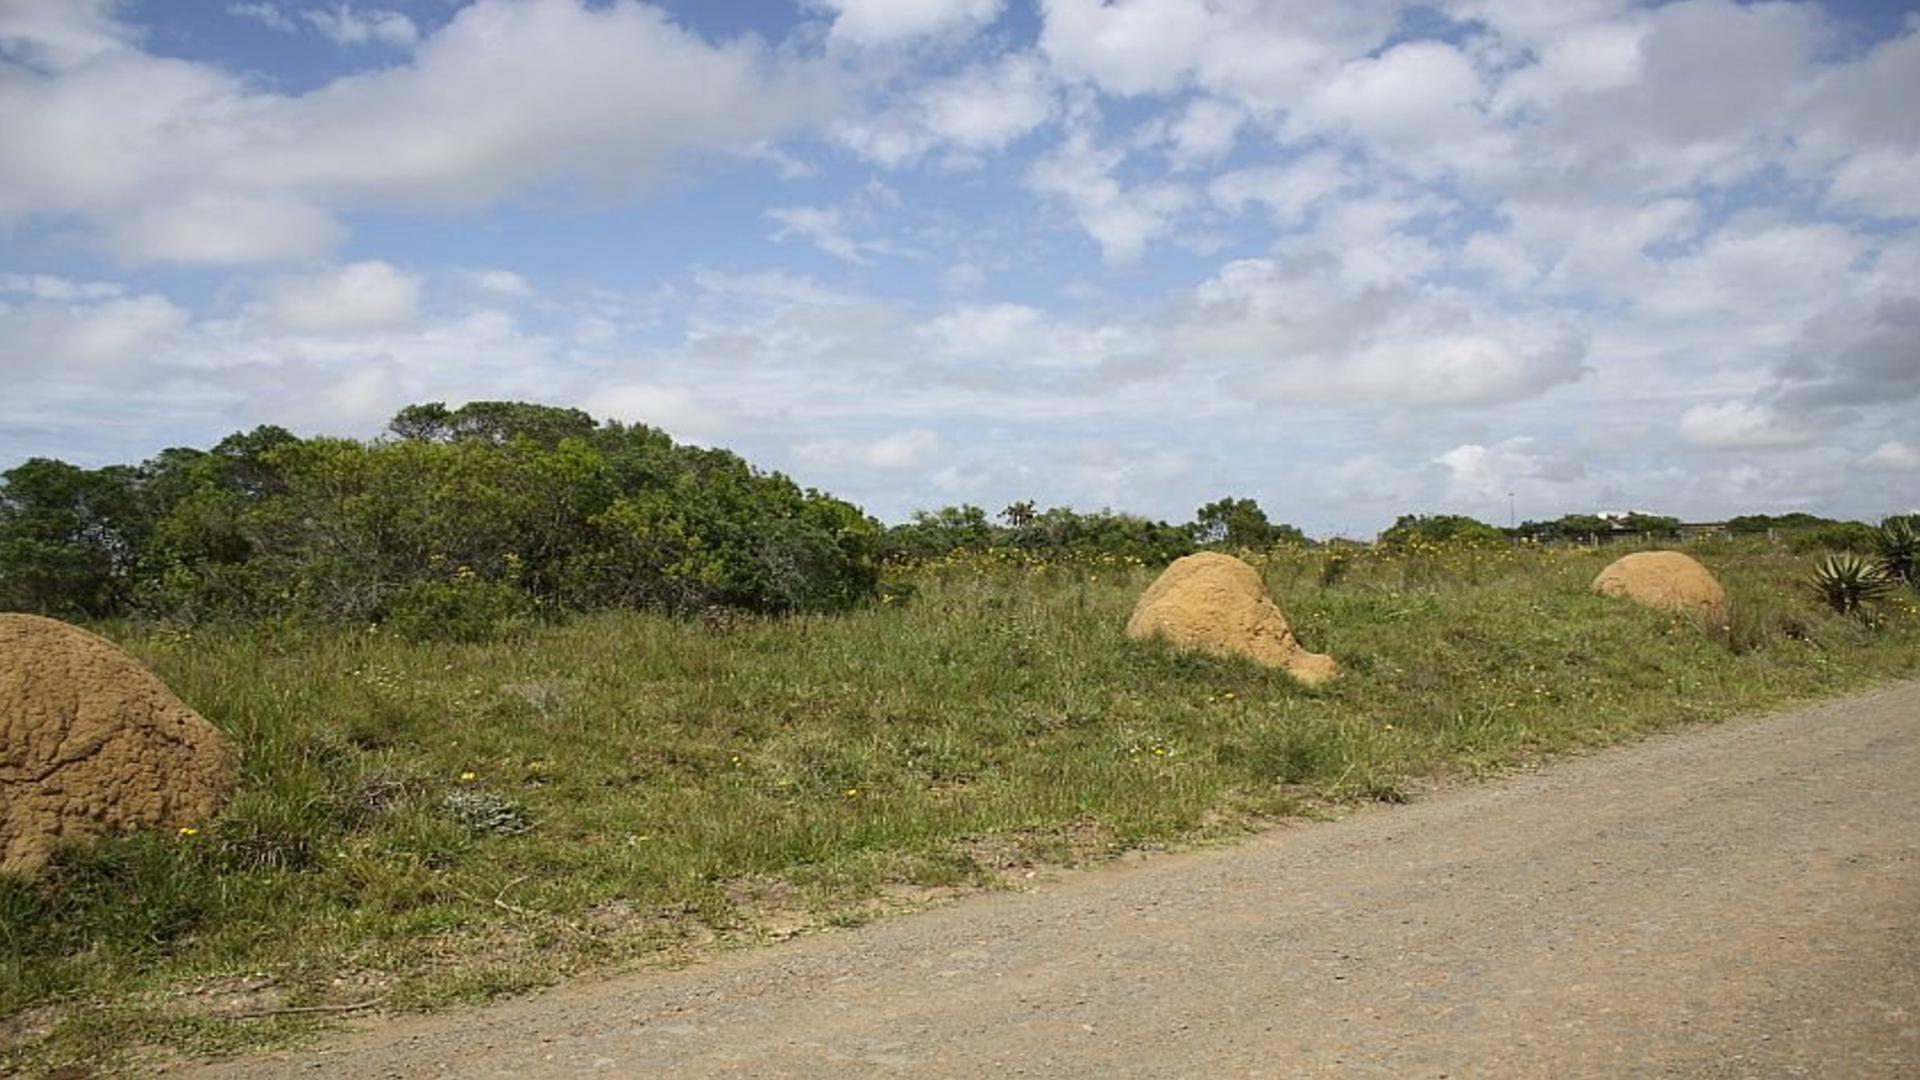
(420, 823)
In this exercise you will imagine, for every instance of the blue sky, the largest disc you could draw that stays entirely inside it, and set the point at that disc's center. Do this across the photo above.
(1352, 260)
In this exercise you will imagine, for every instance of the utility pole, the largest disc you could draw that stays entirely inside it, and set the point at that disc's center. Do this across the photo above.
(1510, 519)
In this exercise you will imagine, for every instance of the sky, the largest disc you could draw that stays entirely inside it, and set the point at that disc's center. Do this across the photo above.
(1353, 260)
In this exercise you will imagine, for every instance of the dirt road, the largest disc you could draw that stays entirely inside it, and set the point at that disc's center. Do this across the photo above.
(1734, 901)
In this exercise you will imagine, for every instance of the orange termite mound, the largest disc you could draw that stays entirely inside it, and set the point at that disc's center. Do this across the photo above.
(1666, 581)
(1217, 604)
(92, 744)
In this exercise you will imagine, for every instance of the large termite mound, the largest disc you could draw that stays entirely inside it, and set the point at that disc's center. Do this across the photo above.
(1666, 581)
(91, 744)
(1217, 604)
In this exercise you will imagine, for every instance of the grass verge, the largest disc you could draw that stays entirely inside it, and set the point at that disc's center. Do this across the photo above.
(424, 824)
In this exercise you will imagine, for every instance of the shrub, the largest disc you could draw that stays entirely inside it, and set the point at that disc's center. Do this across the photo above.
(462, 610)
(536, 499)
(1834, 536)
(1411, 529)
(1846, 581)
(1898, 543)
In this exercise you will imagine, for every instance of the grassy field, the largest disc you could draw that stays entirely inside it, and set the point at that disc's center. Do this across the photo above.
(421, 824)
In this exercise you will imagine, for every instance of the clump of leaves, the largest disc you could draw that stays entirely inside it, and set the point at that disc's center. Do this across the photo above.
(1898, 542)
(1846, 581)
(483, 811)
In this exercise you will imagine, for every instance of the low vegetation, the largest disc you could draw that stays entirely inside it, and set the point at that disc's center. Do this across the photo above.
(424, 819)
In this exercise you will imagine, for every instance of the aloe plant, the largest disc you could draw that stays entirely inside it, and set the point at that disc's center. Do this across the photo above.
(1846, 581)
(1899, 544)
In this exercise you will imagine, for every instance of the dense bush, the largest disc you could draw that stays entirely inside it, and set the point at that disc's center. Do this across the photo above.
(1855, 536)
(1228, 523)
(1411, 529)
(468, 516)
(1588, 528)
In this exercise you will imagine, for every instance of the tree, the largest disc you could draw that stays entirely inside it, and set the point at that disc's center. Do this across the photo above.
(497, 422)
(1411, 529)
(1240, 523)
(69, 537)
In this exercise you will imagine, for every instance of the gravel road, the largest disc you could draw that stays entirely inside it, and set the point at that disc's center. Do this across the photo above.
(1740, 900)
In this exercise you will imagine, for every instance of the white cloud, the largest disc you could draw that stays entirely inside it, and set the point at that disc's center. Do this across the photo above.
(1409, 96)
(217, 227)
(1881, 182)
(1129, 47)
(49, 336)
(360, 296)
(1298, 334)
(344, 25)
(1893, 456)
(266, 13)
(1738, 425)
(885, 22)
(1485, 474)
(821, 225)
(54, 287)
(174, 159)
(982, 108)
(60, 34)
(1121, 219)
(1260, 54)
(1204, 132)
(1286, 191)
(907, 449)
(502, 282)
(981, 330)
(673, 409)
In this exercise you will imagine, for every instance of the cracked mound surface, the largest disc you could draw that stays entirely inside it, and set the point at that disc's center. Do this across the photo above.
(1217, 604)
(1666, 581)
(91, 744)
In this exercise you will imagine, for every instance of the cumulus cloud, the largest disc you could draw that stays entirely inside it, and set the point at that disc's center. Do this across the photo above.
(172, 159)
(1261, 54)
(1297, 333)
(1893, 456)
(676, 410)
(886, 22)
(360, 296)
(1120, 218)
(344, 25)
(1412, 95)
(55, 287)
(60, 34)
(265, 12)
(47, 334)
(981, 108)
(1484, 474)
(906, 449)
(1288, 191)
(1739, 425)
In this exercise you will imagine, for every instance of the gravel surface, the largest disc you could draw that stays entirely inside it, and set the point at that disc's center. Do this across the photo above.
(1732, 901)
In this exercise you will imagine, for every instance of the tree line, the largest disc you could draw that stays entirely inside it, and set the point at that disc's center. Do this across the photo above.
(456, 521)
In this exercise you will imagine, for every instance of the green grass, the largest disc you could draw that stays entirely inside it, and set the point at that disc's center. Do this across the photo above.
(421, 824)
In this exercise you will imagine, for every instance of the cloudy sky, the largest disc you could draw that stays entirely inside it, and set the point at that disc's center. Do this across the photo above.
(1351, 259)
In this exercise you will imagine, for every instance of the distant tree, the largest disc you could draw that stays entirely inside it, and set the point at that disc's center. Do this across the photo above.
(1439, 529)
(1019, 515)
(69, 537)
(497, 422)
(1240, 523)
(1759, 523)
